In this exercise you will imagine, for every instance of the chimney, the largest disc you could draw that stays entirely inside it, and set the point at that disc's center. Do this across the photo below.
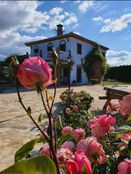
(59, 29)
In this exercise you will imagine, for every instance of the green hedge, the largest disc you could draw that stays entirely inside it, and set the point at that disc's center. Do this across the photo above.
(120, 73)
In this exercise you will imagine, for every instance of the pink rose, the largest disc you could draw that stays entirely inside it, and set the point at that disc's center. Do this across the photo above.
(66, 130)
(125, 167)
(34, 70)
(125, 105)
(64, 154)
(68, 111)
(125, 136)
(75, 108)
(68, 144)
(79, 133)
(45, 150)
(91, 147)
(101, 125)
(62, 96)
(75, 165)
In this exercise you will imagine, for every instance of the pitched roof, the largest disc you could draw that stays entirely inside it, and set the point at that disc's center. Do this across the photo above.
(71, 34)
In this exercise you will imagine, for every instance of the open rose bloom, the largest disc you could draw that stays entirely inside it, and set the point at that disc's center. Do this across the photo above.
(125, 167)
(79, 133)
(34, 70)
(76, 165)
(67, 130)
(125, 105)
(91, 147)
(68, 144)
(101, 125)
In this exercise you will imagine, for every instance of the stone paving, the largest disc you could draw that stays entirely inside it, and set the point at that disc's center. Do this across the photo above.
(15, 125)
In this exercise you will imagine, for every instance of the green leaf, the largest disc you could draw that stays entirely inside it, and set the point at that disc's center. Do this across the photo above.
(122, 129)
(26, 149)
(40, 118)
(66, 137)
(84, 171)
(29, 110)
(129, 148)
(36, 165)
(129, 118)
(59, 122)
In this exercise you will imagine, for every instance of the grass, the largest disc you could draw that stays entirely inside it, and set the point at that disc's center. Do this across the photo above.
(104, 83)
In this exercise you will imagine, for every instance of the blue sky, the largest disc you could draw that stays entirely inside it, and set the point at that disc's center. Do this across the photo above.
(105, 22)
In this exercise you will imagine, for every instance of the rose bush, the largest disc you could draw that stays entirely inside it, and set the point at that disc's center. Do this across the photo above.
(74, 108)
(104, 149)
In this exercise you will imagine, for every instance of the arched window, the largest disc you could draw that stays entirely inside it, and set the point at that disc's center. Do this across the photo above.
(49, 46)
(36, 49)
(62, 45)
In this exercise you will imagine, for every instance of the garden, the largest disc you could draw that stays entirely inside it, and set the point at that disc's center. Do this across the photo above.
(75, 140)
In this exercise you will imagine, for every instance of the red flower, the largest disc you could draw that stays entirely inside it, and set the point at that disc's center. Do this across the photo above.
(68, 111)
(66, 130)
(75, 108)
(125, 105)
(125, 167)
(101, 125)
(79, 133)
(34, 70)
(91, 147)
(45, 150)
(68, 144)
(77, 164)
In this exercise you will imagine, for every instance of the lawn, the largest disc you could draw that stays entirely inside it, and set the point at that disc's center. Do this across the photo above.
(104, 83)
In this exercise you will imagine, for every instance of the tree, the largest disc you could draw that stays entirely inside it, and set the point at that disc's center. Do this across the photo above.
(95, 57)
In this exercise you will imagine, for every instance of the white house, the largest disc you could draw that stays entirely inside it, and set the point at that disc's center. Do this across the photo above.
(69, 44)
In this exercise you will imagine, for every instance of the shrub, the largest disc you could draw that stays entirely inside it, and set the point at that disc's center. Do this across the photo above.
(74, 108)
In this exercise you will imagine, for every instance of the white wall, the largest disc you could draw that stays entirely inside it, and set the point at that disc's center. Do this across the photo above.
(71, 45)
(86, 48)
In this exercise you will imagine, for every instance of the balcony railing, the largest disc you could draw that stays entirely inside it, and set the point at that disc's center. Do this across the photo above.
(62, 54)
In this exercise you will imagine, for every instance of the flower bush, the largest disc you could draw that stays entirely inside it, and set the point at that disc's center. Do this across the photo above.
(105, 149)
(74, 108)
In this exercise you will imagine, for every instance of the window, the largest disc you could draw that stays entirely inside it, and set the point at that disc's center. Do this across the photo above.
(40, 53)
(49, 47)
(79, 48)
(36, 49)
(62, 45)
(104, 54)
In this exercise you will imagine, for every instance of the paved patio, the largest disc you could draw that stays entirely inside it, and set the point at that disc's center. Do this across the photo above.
(15, 125)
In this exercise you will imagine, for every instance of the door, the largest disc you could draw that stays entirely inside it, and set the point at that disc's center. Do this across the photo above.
(79, 71)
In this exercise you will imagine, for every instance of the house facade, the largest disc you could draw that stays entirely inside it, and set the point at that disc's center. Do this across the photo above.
(70, 44)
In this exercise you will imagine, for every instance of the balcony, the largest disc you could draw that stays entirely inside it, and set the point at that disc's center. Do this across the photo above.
(62, 54)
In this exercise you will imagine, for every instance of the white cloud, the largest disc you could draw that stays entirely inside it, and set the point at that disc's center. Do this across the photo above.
(19, 16)
(98, 19)
(117, 58)
(62, 1)
(14, 43)
(77, 32)
(58, 15)
(114, 25)
(85, 5)
(56, 11)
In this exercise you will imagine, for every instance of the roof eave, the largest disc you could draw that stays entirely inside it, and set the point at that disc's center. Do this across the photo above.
(71, 34)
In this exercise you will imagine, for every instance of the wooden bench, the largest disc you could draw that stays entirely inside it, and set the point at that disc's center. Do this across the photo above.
(114, 92)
